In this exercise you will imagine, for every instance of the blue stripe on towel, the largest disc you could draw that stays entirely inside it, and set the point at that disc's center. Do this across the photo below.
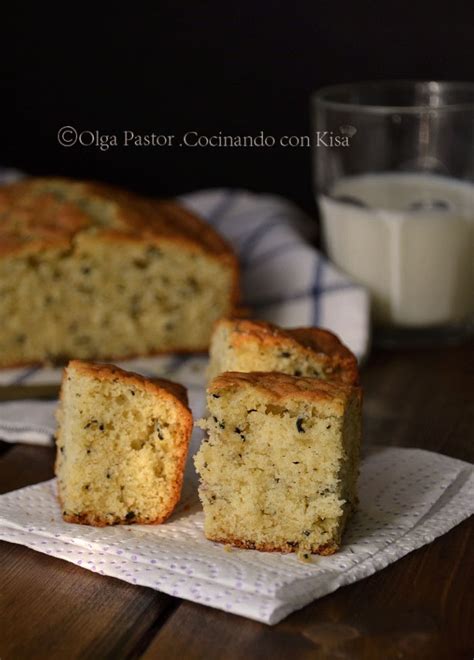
(24, 375)
(273, 253)
(318, 272)
(176, 361)
(221, 208)
(253, 238)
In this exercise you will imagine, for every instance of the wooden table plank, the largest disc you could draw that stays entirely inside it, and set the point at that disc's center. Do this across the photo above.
(421, 606)
(55, 609)
(421, 399)
(23, 465)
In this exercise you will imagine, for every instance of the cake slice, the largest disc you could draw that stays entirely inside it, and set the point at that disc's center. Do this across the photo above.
(247, 345)
(121, 445)
(280, 462)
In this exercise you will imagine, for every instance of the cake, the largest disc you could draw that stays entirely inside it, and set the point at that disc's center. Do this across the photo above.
(279, 465)
(121, 443)
(248, 345)
(92, 272)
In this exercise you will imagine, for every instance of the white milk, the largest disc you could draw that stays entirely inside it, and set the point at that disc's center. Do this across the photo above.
(412, 244)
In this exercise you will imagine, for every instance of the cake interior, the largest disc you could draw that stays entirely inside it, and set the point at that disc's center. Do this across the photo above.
(277, 477)
(253, 355)
(109, 299)
(120, 452)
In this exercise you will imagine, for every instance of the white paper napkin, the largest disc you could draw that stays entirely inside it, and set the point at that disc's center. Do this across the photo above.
(408, 497)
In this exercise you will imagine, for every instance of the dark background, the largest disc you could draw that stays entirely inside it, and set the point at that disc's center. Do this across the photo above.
(203, 66)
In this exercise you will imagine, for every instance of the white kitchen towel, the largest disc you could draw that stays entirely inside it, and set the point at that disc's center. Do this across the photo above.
(285, 280)
(408, 497)
(30, 422)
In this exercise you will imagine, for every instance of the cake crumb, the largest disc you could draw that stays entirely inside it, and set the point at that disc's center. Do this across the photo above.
(305, 557)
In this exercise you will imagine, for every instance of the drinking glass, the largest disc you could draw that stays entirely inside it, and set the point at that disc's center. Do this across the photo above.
(394, 181)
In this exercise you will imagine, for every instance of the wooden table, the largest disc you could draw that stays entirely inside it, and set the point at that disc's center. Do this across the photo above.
(422, 606)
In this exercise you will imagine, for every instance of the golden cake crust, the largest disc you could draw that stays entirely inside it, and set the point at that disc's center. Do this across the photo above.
(161, 387)
(42, 213)
(281, 387)
(339, 362)
(110, 372)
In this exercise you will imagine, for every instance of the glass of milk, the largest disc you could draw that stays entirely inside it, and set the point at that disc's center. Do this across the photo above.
(394, 179)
